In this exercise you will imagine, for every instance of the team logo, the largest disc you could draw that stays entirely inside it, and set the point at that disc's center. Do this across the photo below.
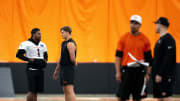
(169, 47)
(42, 45)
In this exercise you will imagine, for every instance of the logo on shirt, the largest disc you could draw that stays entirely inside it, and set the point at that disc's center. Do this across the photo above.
(169, 47)
(169, 80)
(42, 45)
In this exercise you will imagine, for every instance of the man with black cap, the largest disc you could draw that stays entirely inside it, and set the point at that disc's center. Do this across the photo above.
(35, 53)
(164, 63)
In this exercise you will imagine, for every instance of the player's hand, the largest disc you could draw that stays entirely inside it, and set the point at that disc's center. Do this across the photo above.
(118, 77)
(76, 64)
(31, 60)
(158, 79)
(45, 60)
(147, 78)
(55, 75)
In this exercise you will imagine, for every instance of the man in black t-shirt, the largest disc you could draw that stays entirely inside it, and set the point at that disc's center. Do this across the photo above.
(67, 64)
(164, 63)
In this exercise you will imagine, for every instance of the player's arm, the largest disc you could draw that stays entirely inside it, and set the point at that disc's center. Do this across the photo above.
(72, 48)
(56, 71)
(21, 52)
(118, 59)
(58, 67)
(46, 56)
(148, 71)
(117, 67)
(21, 55)
(148, 58)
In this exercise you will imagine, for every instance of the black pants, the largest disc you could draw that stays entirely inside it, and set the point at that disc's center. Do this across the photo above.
(35, 80)
(164, 88)
(132, 83)
(67, 75)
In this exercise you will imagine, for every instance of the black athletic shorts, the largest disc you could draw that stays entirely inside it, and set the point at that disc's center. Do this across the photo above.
(67, 75)
(35, 80)
(164, 88)
(132, 83)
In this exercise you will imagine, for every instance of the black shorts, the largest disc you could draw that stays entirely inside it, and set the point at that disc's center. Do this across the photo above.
(164, 88)
(35, 80)
(67, 75)
(132, 83)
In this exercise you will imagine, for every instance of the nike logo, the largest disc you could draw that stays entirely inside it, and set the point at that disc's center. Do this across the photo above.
(169, 47)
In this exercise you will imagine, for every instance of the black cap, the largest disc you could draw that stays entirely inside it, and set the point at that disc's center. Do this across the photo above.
(162, 20)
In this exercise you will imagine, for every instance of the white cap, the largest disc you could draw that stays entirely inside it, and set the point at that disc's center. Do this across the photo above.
(136, 18)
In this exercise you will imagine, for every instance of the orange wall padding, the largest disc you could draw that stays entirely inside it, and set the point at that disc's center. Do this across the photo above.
(97, 24)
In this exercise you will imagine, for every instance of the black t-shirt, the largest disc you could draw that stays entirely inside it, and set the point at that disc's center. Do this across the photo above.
(164, 62)
(65, 57)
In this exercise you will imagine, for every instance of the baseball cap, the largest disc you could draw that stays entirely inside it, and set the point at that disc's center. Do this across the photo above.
(136, 18)
(162, 20)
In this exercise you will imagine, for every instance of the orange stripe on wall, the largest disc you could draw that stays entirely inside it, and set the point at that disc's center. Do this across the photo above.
(97, 24)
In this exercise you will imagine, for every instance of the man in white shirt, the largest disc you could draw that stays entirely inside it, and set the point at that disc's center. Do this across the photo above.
(35, 53)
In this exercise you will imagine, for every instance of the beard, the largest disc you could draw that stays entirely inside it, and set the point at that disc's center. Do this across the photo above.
(133, 31)
(157, 30)
(38, 39)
